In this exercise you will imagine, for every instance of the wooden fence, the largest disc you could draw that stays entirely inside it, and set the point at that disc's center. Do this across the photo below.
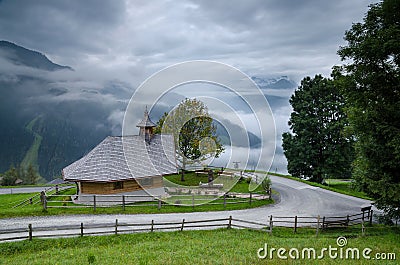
(117, 227)
(324, 222)
(35, 199)
(97, 201)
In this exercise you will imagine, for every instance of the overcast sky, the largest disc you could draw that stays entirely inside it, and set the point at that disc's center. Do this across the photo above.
(130, 40)
(264, 37)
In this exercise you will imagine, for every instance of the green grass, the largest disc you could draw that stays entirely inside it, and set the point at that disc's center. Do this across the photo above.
(223, 246)
(340, 186)
(191, 179)
(9, 200)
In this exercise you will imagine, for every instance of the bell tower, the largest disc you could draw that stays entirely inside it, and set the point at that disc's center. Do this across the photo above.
(146, 126)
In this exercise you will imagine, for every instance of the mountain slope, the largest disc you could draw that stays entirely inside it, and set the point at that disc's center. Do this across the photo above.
(40, 123)
(22, 56)
(52, 123)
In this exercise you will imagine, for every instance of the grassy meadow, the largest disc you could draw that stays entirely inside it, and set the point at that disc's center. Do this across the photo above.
(223, 246)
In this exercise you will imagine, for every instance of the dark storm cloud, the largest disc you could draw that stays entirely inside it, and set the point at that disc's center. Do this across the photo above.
(289, 37)
(294, 38)
(124, 42)
(60, 27)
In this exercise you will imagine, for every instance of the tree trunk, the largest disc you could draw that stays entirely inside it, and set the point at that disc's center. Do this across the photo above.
(183, 169)
(318, 178)
(182, 175)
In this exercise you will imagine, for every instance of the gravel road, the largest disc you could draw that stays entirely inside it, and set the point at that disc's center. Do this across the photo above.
(296, 198)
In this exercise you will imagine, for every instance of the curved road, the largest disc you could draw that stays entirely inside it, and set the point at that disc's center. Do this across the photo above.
(296, 198)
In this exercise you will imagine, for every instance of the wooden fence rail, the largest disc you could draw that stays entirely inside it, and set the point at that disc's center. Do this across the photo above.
(98, 201)
(35, 199)
(122, 228)
(324, 222)
(117, 227)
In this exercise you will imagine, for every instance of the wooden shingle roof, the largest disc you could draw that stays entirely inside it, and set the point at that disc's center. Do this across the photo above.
(107, 161)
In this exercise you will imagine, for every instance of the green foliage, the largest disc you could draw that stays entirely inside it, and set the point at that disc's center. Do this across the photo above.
(31, 175)
(317, 146)
(266, 184)
(10, 177)
(193, 130)
(371, 84)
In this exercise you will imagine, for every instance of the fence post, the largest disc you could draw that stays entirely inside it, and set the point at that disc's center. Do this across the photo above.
(270, 194)
(270, 224)
(318, 224)
(123, 202)
(116, 226)
(94, 202)
(224, 201)
(81, 229)
(250, 197)
(295, 224)
(347, 220)
(362, 228)
(323, 223)
(30, 232)
(45, 202)
(152, 226)
(183, 222)
(230, 222)
(193, 201)
(43, 199)
(159, 202)
(370, 217)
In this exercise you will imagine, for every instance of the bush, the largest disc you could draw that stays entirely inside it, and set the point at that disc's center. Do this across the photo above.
(266, 184)
(8, 180)
(385, 219)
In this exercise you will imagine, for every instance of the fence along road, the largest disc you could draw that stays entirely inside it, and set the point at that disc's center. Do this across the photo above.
(296, 199)
(118, 227)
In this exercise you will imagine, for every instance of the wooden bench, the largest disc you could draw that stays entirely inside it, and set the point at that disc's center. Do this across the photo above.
(204, 171)
(211, 185)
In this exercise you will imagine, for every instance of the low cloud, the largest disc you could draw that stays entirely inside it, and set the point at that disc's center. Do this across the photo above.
(114, 45)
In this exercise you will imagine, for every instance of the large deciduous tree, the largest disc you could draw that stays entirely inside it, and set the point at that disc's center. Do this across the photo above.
(193, 130)
(317, 147)
(371, 85)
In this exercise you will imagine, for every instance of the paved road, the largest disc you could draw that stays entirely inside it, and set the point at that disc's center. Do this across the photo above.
(22, 190)
(296, 198)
